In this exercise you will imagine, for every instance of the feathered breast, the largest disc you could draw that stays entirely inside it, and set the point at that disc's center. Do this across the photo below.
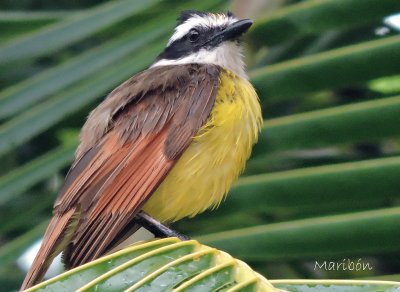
(216, 156)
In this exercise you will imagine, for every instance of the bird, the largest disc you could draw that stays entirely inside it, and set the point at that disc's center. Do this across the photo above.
(169, 142)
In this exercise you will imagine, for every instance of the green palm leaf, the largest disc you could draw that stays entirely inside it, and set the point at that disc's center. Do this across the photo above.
(70, 30)
(161, 265)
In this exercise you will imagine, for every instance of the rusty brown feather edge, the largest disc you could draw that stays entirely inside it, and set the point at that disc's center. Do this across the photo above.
(127, 146)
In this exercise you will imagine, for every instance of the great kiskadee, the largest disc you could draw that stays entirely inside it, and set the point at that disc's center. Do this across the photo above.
(169, 141)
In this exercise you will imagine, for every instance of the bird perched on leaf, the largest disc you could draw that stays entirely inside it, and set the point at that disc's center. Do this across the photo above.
(169, 141)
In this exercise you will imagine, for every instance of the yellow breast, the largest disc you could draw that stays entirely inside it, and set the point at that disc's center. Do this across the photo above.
(215, 158)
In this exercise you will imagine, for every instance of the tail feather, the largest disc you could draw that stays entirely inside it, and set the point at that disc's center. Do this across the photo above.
(54, 241)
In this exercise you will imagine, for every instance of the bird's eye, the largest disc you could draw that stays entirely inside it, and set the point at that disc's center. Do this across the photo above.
(194, 35)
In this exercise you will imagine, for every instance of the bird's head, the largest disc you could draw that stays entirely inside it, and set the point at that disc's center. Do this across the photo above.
(201, 37)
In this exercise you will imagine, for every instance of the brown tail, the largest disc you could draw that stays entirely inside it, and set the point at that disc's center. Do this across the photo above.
(54, 242)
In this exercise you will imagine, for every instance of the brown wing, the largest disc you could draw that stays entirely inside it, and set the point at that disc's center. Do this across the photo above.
(120, 163)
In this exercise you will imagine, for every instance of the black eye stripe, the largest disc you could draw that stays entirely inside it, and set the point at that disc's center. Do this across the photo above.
(185, 45)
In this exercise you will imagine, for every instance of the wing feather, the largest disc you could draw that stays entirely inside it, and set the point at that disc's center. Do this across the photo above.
(121, 199)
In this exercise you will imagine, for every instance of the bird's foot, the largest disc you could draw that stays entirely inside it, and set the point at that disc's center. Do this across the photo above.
(156, 227)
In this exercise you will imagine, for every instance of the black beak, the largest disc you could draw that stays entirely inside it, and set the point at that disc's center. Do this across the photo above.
(232, 32)
(236, 29)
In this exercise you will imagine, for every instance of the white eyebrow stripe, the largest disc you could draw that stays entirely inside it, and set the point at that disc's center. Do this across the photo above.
(211, 20)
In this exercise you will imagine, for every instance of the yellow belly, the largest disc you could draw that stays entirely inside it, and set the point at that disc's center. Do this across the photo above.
(215, 158)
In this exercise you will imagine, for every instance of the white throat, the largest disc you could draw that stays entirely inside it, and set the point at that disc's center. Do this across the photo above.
(228, 55)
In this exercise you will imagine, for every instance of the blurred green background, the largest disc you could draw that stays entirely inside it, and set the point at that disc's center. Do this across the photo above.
(323, 183)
